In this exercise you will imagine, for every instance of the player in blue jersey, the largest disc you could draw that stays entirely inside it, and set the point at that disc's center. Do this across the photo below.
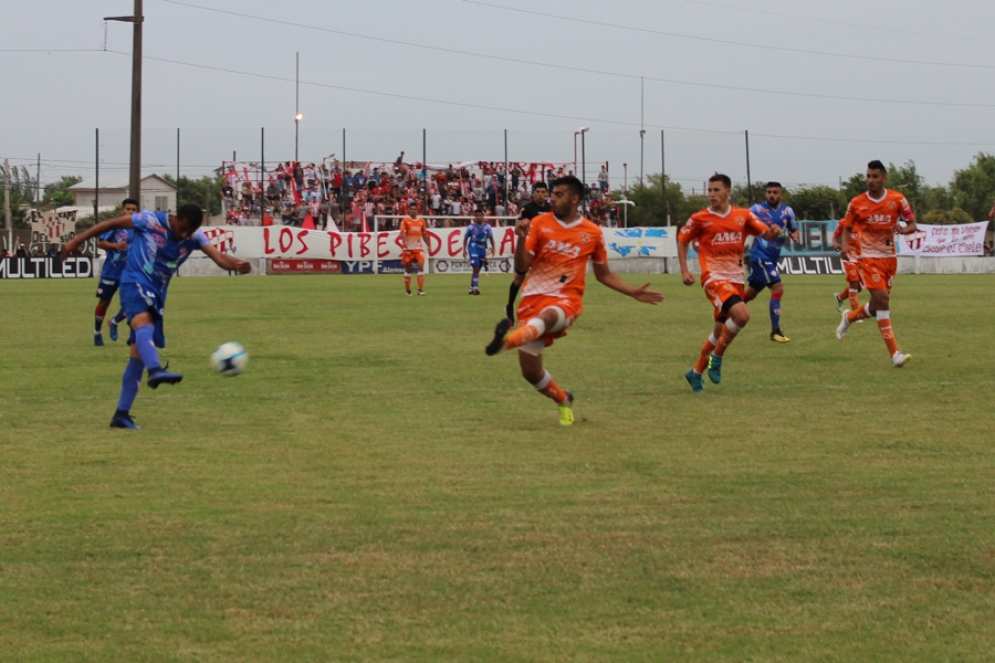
(475, 240)
(161, 243)
(115, 245)
(766, 253)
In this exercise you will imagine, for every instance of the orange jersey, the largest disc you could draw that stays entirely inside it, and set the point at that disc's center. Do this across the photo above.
(559, 256)
(412, 233)
(875, 221)
(721, 242)
(854, 239)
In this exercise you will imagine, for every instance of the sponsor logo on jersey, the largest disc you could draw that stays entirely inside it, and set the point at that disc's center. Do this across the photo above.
(562, 248)
(728, 238)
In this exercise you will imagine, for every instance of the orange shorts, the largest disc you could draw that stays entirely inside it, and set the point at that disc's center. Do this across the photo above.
(408, 257)
(878, 273)
(533, 305)
(851, 271)
(719, 292)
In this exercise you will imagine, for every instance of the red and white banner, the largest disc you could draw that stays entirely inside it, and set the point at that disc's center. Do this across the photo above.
(52, 227)
(945, 241)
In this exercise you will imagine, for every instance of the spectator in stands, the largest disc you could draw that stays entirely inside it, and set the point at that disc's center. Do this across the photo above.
(603, 180)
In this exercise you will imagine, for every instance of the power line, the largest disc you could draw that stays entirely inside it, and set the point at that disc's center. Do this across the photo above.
(584, 70)
(842, 23)
(728, 42)
(51, 50)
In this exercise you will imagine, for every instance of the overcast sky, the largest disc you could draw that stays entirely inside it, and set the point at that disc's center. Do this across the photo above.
(936, 56)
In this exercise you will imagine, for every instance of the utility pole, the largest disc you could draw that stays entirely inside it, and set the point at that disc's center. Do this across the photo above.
(424, 163)
(134, 190)
(6, 205)
(663, 179)
(297, 113)
(749, 183)
(96, 184)
(177, 156)
(38, 183)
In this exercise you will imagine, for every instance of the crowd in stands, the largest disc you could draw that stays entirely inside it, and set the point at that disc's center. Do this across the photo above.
(361, 196)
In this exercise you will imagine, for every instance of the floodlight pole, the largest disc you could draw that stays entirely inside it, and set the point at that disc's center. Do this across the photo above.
(6, 204)
(135, 171)
(749, 183)
(96, 184)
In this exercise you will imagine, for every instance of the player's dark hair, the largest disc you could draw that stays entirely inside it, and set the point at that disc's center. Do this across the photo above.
(130, 201)
(719, 177)
(572, 183)
(774, 185)
(192, 214)
(877, 165)
(539, 185)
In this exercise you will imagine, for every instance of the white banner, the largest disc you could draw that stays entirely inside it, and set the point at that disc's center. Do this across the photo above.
(939, 241)
(285, 242)
(52, 227)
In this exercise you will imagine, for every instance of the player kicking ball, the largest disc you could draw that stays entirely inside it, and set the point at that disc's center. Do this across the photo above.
(553, 250)
(115, 245)
(874, 217)
(721, 232)
(475, 240)
(161, 243)
(766, 254)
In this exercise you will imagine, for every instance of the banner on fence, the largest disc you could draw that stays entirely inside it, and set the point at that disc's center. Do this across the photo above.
(52, 227)
(938, 241)
(46, 268)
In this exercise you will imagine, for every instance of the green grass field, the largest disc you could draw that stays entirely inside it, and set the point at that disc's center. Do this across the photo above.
(374, 488)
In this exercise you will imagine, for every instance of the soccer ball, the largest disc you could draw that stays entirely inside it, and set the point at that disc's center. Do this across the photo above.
(230, 359)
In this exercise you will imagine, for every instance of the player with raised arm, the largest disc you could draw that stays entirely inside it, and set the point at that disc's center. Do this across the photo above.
(161, 243)
(475, 240)
(765, 255)
(875, 217)
(538, 205)
(413, 253)
(554, 249)
(853, 286)
(115, 245)
(720, 232)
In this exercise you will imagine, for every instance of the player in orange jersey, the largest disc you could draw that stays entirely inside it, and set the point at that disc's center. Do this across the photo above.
(413, 253)
(875, 217)
(554, 249)
(721, 232)
(853, 286)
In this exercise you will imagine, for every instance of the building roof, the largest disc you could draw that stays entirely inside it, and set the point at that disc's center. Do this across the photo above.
(117, 183)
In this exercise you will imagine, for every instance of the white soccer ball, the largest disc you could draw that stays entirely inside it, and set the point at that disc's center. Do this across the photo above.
(230, 359)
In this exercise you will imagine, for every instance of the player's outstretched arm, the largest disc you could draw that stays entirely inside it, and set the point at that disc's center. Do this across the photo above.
(118, 223)
(773, 232)
(642, 293)
(226, 261)
(682, 255)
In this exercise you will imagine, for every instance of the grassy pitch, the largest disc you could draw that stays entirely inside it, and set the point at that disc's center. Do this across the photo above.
(374, 488)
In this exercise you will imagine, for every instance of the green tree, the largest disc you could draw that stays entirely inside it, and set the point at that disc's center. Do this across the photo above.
(853, 187)
(946, 217)
(907, 180)
(57, 194)
(974, 187)
(87, 221)
(816, 203)
(204, 192)
(653, 203)
(741, 194)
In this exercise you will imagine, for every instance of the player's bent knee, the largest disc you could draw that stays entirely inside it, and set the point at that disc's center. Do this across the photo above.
(555, 319)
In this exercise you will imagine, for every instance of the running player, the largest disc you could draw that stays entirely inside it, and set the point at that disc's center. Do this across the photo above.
(765, 254)
(115, 244)
(412, 236)
(721, 232)
(538, 205)
(161, 243)
(853, 286)
(874, 217)
(475, 240)
(554, 249)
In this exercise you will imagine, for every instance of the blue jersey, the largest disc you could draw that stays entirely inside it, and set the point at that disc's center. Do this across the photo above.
(114, 261)
(784, 218)
(479, 236)
(154, 254)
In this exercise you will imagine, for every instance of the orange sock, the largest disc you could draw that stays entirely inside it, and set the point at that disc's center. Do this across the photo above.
(407, 283)
(551, 390)
(421, 281)
(525, 334)
(884, 324)
(854, 298)
(706, 350)
(859, 313)
(728, 334)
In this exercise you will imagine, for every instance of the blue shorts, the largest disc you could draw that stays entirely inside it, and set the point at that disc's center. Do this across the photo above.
(478, 260)
(137, 299)
(106, 289)
(763, 274)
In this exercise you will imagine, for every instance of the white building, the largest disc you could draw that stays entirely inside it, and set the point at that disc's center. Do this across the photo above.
(157, 194)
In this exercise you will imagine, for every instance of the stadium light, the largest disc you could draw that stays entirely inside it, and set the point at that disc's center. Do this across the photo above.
(583, 162)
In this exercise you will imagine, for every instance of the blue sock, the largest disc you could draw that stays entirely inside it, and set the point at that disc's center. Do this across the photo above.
(129, 384)
(775, 312)
(121, 315)
(475, 281)
(146, 347)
